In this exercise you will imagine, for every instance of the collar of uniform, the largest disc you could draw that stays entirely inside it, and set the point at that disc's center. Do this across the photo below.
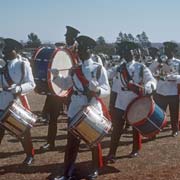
(132, 62)
(169, 61)
(87, 62)
(12, 61)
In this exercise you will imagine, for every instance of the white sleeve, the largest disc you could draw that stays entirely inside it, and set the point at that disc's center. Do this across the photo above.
(104, 83)
(28, 83)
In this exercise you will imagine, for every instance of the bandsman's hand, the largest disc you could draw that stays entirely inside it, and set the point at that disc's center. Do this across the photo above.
(15, 89)
(93, 86)
(55, 72)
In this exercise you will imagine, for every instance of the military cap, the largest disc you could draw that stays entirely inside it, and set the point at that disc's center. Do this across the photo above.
(12, 44)
(86, 42)
(71, 31)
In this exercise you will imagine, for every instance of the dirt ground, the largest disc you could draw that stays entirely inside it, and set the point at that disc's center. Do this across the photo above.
(159, 159)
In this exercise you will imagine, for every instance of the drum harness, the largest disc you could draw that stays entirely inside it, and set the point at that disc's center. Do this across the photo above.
(127, 80)
(8, 77)
(87, 92)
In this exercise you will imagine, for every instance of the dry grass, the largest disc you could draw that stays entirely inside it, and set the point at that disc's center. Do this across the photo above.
(159, 159)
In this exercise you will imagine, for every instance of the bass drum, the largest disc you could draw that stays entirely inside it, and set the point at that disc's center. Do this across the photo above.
(46, 59)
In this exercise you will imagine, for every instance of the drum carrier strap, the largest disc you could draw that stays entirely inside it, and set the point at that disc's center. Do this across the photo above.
(8, 77)
(88, 93)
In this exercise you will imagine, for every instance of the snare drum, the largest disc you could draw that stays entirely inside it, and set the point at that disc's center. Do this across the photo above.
(146, 116)
(46, 59)
(89, 126)
(17, 119)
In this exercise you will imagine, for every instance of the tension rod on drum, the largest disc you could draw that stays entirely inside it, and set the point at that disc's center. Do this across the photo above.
(154, 124)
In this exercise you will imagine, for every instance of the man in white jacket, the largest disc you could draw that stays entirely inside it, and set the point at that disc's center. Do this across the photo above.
(134, 79)
(89, 81)
(167, 73)
(16, 80)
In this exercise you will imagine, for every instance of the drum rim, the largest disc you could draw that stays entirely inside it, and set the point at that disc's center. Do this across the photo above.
(37, 52)
(149, 113)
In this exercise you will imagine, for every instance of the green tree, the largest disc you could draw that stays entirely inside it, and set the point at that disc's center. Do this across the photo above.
(103, 47)
(101, 40)
(143, 40)
(33, 41)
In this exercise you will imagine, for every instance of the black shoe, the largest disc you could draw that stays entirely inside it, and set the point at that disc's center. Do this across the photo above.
(47, 147)
(134, 154)
(28, 160)
(110, 159)
(93, 175)
(175, 133)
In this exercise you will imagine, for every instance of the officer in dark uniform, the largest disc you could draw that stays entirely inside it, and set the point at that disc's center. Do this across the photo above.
(53, 104)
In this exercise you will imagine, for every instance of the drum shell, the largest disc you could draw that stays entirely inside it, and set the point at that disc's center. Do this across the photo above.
(89, 126)
(17, 120)
(153, 123)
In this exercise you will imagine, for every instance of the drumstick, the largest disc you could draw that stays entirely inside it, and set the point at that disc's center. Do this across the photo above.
(60, 69)
(64, 69)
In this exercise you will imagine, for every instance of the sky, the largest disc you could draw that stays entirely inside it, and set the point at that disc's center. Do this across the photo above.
(160, 19)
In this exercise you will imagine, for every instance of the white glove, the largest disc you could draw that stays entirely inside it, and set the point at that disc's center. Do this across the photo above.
(93, 86)
(55, 72)
(170, 77)
(15, 89)
(148, 89)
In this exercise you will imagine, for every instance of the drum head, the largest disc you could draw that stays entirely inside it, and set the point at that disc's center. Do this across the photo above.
(63, 61)
(139, 109)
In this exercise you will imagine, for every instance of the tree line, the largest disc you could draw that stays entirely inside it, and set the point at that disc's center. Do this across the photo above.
(102, 46)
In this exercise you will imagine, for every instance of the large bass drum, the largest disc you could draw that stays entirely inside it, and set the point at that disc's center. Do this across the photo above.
(46, 59)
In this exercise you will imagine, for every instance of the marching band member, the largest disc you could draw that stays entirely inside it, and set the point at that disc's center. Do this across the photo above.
(16, 81)
(132, 77)
(167, 72)
(53, 104)
(89, 81)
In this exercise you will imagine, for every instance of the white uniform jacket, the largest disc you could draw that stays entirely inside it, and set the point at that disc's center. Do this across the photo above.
(139, 73)
(15, 72)
(78, 100)
(168, 85)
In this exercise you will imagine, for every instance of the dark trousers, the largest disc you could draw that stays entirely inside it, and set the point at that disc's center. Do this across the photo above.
(71, 155)
(53, 106)
(118, 122)
(26, 141)
(173, 102)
